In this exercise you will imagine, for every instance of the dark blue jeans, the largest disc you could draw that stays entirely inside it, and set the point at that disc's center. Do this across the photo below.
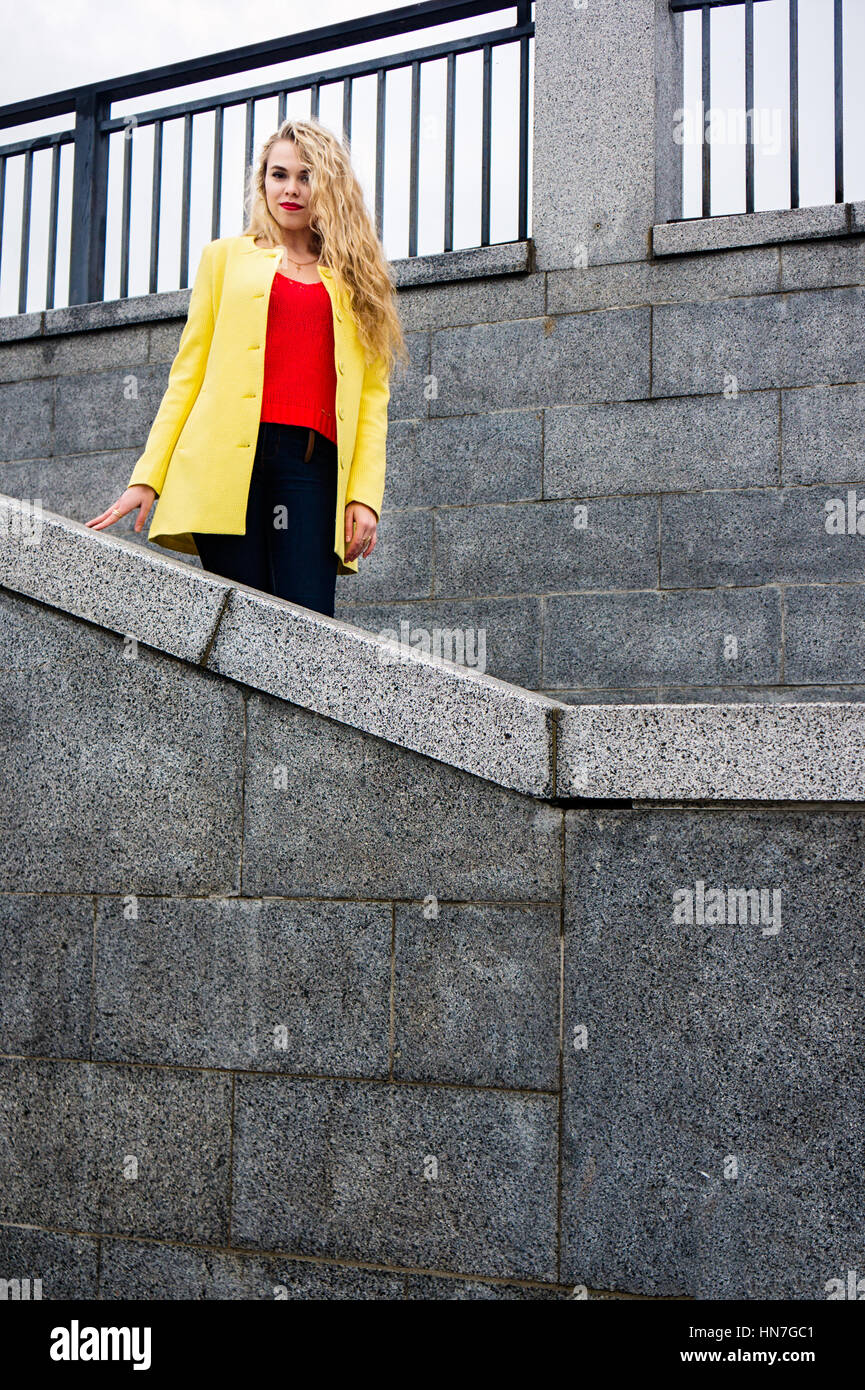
(287, 549)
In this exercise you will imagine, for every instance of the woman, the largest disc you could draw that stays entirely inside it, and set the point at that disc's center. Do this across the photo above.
(267, 452)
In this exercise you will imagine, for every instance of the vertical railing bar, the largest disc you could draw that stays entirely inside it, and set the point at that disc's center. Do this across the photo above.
(794, 102)
(313, 100)
(3, 159)
(53, 218)
(89, 197)
(216, 196)
(247, 155)
(523, 14)
(346, 112)
(280, 109)
(450, 110)
(126, 205)
(156, 205)
(749, 105)
(839, 103)
(705, 97)
(185, 200)
(486, 144)
(24, 262)
(380, 130)
(414, 158)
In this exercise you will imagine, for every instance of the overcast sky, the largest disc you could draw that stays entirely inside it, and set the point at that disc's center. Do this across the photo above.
(48, 45)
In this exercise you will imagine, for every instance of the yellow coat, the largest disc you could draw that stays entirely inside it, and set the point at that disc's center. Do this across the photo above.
(201, 446)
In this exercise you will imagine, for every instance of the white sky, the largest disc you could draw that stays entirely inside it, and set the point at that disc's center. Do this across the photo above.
(48, 45)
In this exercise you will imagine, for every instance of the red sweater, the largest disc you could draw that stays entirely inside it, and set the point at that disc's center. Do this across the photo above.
(299, 370)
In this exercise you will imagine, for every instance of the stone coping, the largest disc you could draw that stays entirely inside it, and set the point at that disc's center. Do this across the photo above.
(758, 228)
(469, 720)
(446, 711)
(505, 258)
(813, 751)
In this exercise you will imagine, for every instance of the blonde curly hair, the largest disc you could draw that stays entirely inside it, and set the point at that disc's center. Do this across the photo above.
(343, 235)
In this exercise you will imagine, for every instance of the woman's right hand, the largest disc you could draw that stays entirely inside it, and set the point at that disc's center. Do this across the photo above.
(139, 497)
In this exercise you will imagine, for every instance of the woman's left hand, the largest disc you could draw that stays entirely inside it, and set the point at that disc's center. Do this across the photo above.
(361, 525)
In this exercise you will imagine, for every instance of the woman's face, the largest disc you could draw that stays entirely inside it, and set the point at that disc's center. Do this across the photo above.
(286, 186)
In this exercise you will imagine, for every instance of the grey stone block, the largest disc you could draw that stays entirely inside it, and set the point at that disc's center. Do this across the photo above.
(116, 313)
(135, 1271)
(595, 641)
(758, 537)
(401, 566)
(822, 433)
(729, 1164)
(648, 694)
(738, 752)
(76, 353)
(65, 1266)
(164, 339)
(541, 362)
(130, 1150)
(78, 486)
(340, 1169)
(105, 410)
(647, 446)
(501, 258)
(750, 229)
(427, 1288)
(409, 389)
(46, 958)
(120, 776)
(799, 339)
(814, 265)
(275, 986)
(595, 151)
(21, 360)
(486, 458)
(476, 995)
(539, 547)
(423, 700)
(358, 817)
(442, 305)
(501, 636)
(15, 327)
(26, 419)
(713, 276)
(781, 694)
(132, 589)
(821, 627)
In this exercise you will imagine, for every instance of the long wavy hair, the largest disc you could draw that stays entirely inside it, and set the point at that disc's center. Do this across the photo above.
(342, 232)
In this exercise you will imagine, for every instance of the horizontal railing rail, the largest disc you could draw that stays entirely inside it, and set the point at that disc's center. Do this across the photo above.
(705, 7)
(95, 126)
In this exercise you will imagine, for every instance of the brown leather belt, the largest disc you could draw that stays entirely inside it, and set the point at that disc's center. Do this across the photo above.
(310, 446)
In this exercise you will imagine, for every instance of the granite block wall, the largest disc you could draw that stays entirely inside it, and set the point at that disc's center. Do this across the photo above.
(290, 1011)
(622, 475)
(280, 1000)
(617, 463)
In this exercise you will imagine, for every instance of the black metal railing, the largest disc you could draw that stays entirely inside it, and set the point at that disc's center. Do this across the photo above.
(706, 7)
(95, 125)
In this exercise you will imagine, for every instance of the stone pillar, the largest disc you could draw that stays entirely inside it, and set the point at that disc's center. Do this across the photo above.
(608, 78)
